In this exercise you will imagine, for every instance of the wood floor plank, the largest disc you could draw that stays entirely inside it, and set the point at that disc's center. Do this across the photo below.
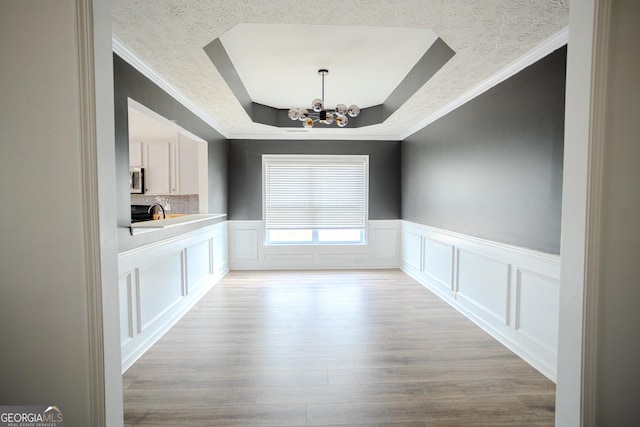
(219, 416)
(507, 409)
(185, 397)
(354, 393)
(331, 348)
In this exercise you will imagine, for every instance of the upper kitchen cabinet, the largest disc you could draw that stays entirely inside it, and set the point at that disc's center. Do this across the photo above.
(172, 161)
(170, 167)
(159, 163)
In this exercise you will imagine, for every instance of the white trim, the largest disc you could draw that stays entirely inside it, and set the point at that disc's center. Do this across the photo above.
(136, 62)
(130, 264)
(551, 44)
(484, 245)
(316, 134)
(175, 312)
(248, 251)
(572, 375)
(595, 202)
(492, 296)
(90, 209)
(169, 243)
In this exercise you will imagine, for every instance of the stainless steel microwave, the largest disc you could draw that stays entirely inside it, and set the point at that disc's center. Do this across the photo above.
(136, 180)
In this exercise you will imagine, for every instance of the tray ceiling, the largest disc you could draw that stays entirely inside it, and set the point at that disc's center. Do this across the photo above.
(169, 37)
(279, 64)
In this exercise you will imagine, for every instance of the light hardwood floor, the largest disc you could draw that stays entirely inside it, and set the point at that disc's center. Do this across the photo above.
(331, 348)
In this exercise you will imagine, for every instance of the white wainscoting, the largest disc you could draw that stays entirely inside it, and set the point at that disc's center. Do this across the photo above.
(247, 250)
(510, 292)
(161, 281)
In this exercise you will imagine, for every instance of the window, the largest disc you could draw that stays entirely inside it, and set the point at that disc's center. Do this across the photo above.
(312, 199)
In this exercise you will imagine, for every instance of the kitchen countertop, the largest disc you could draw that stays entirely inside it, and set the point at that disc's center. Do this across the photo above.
(175, 221)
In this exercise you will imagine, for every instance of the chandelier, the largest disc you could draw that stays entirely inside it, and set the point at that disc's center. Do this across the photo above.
(318, 113)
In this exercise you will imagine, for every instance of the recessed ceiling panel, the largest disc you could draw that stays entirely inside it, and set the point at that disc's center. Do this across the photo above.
(278, 64)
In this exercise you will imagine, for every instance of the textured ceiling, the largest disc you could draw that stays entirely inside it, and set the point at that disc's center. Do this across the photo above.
(488, 35)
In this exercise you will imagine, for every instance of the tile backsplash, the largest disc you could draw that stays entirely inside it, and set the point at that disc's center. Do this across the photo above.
(185, 203)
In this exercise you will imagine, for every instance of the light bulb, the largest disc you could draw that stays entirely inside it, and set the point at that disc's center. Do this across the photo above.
(341, 109)
(317, 105)
(308, 122)
(302, 114)
(329, 119)
(342, 121)
(353, 110)
(294, 114)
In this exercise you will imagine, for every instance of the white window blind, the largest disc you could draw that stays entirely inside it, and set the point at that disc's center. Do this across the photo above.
(315, 192)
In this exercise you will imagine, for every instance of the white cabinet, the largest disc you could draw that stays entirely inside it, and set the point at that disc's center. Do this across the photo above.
(170, 167)
(157, 162)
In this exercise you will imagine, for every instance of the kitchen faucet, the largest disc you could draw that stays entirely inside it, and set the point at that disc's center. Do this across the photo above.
(161, 208)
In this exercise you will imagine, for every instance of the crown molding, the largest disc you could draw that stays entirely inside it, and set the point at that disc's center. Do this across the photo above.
(301, 135)
(136, 62)
(551, 44)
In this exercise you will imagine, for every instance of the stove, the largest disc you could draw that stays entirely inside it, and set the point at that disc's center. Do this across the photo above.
(140, 213)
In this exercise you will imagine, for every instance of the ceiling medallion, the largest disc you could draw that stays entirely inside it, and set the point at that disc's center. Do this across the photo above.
(341, 113)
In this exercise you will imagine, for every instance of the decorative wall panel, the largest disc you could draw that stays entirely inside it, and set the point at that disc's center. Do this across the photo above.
(438, 263)
(249, 252)
(244, 244)
(126, 308)
(153, 283)
(537, 309)
(412, 249)
(510, 292)
(384, 242)
(160, 286)
(483, 283)
(219, 254)
(198, 261)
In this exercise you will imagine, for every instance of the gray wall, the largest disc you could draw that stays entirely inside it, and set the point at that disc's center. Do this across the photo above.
(245, 173)
(493, 167)
(129, 83)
